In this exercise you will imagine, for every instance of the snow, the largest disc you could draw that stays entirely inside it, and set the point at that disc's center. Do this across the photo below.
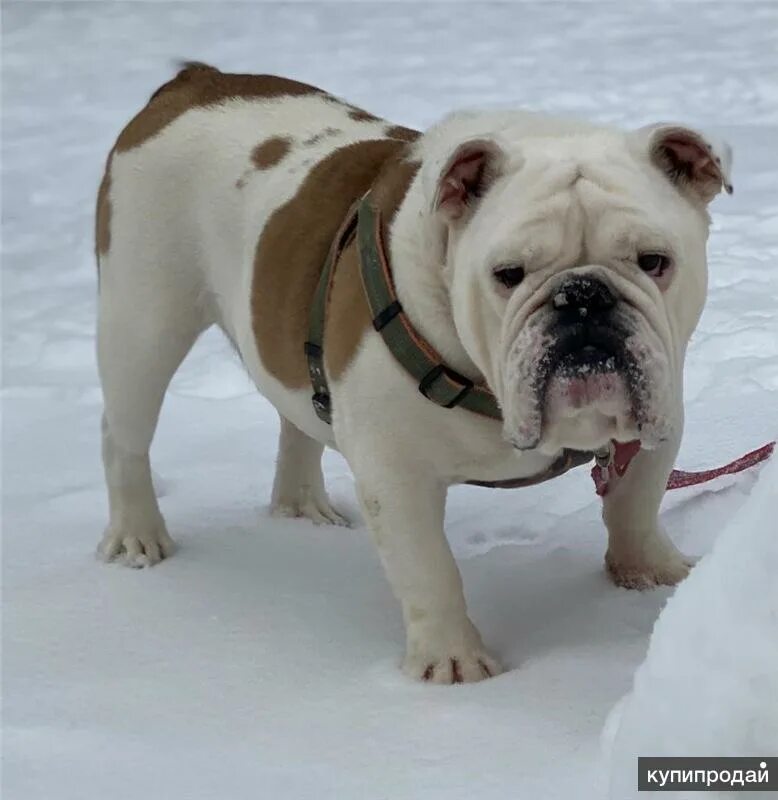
(262, 660)
(722, 625)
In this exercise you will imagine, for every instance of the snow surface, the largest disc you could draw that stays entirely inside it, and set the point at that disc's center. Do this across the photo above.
(262, 660)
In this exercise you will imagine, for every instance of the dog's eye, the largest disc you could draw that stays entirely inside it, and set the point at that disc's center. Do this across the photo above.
(509, 275)
(654, 264)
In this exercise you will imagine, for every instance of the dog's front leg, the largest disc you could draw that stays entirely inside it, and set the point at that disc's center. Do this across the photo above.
(640, 554)
(404, 509)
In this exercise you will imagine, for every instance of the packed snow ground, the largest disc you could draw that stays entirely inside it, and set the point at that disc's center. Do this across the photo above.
(262, 661)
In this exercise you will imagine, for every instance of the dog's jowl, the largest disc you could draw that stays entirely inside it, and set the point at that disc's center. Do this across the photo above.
(493, 300)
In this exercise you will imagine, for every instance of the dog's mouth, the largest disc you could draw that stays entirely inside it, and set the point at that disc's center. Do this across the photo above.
(585, 393)
(587, 385)
(584, 365)
(587, 360)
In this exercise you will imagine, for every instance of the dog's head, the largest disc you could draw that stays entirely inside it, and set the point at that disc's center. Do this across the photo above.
(577, 270)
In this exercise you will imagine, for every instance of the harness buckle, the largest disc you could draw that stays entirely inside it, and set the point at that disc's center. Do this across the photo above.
(322, 405)
(428, 383)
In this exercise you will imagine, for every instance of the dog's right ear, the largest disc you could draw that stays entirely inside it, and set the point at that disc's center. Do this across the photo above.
(465, 177)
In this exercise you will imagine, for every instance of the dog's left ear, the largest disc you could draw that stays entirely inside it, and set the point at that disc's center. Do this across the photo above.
(694, 161)
(465, 177)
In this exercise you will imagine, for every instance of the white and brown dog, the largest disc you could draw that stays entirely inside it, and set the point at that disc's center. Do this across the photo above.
(554, 266)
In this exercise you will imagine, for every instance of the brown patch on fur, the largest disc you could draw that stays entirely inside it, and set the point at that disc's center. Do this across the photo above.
(360, 115)
(348, 316)
(321, 135)
(196, 86)
(287, 265)
(103, 213)
(268, 153)
(401, 132)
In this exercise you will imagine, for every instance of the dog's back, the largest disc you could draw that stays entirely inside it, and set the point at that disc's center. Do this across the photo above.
(195, 176)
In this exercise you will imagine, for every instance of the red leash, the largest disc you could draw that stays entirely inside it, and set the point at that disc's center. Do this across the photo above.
(622, 454)
(679, 478)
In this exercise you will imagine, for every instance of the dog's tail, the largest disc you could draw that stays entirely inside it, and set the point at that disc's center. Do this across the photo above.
(193, 66)
(187, 70)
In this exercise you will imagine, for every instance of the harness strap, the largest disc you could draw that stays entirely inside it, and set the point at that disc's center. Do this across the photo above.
(314, 346)
(436, 381)
(567, 461)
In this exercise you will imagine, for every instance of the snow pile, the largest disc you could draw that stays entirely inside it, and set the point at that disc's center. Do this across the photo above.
(709, 685)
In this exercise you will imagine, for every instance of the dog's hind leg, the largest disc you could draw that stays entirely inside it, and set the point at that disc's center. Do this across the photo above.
(147, 324)
(298, 489)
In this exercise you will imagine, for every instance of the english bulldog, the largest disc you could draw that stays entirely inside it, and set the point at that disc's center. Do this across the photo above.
(555, 266)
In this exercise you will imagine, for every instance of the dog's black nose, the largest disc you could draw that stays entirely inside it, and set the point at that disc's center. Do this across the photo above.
(581, 296)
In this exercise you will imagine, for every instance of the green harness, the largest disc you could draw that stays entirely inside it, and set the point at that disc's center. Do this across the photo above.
(436, 381)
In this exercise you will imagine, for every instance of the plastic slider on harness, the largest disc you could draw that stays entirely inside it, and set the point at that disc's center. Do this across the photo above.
(383, 318)
(461, 385)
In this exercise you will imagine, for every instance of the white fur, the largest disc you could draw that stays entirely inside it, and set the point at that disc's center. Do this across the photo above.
(181, 259)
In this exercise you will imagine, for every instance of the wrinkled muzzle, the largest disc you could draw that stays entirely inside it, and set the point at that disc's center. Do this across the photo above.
(581, 366)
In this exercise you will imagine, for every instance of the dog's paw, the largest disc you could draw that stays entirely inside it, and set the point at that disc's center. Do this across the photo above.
(665, 572)
(318, 510)
(453, 657)
(135, 546)
(454, 667)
